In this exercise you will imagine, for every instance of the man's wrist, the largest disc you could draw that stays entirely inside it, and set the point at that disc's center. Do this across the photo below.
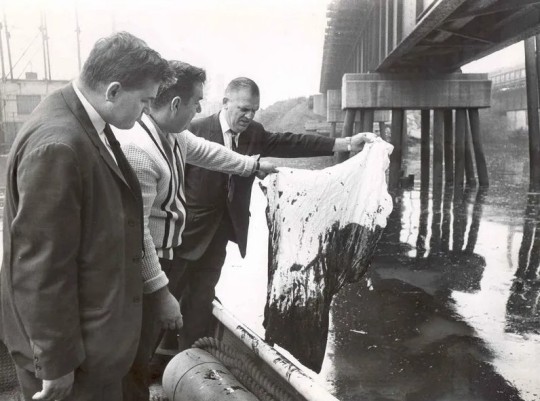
(159, 294)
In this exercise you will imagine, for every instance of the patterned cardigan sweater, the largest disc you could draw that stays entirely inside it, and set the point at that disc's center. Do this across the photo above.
(159, 161)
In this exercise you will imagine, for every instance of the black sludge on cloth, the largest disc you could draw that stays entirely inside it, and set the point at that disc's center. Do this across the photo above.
(324, 226)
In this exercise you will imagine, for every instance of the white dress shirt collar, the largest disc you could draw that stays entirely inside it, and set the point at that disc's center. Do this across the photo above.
(95, 118)
(226, 131)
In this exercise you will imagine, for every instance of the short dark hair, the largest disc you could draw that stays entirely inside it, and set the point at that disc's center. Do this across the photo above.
(242, 83)
(186, 76)
(124, 58)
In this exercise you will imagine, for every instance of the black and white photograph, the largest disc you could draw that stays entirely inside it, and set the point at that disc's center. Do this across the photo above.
(269, 200)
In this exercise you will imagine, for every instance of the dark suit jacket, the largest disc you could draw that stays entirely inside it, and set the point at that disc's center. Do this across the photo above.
(71, 283)
(206, 191)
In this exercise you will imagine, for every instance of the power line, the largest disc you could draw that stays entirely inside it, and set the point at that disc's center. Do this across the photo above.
(25, 50)
(29, 62)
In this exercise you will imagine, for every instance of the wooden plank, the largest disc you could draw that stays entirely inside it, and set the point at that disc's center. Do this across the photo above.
(412, 91)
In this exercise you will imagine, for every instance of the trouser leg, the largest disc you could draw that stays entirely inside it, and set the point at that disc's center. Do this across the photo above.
(202, 277)
(136, 383)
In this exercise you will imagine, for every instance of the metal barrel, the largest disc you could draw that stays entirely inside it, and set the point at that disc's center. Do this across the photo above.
(195, 375)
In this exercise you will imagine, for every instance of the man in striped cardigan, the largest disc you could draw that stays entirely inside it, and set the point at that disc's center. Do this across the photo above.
(158, 148)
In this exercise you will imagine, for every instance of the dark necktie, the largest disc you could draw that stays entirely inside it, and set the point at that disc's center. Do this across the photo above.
(126, 170)
(234, 136)
(230, 184)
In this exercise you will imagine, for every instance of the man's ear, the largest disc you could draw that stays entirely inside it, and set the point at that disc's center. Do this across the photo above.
(112, 92)
(175, 103)
(225, 101)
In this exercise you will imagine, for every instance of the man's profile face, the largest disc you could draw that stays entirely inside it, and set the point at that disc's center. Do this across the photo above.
(240, 108)
(186, 111)
(131, 103)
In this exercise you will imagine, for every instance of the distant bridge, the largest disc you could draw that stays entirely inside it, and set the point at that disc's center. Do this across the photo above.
(509, 96)
(402, 55)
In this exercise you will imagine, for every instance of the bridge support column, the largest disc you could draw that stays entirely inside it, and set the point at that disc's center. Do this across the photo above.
(531, 68)
(448, 146)
(441, 93)
(469, 164)
(396, 140)
(459, 172)
(368, 120)
(382, 130)
(438, 132)
(481, 166)
(424, 147)
(332, 130)
(348, 126)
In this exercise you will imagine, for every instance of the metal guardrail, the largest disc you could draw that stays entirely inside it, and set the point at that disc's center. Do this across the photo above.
(291, 373)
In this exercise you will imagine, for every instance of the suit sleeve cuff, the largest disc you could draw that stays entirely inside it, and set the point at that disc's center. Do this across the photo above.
(54, 367)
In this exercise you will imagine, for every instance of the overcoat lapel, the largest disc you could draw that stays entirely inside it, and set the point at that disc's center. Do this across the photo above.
(80, 113)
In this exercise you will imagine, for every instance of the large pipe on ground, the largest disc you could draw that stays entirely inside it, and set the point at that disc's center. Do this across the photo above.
(195, 375)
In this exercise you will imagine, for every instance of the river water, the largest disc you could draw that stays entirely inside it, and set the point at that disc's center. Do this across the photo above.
(449, 308)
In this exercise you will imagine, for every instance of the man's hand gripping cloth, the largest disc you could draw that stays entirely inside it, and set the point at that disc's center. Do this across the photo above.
(324, 226)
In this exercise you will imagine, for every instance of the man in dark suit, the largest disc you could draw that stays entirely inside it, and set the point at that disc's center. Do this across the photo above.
(71, 283)
(218, 205)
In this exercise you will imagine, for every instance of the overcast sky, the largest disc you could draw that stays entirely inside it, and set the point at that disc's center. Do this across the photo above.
(278, 43)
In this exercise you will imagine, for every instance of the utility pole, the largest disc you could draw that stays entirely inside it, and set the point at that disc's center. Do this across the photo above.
(78, 32)
(2, 54)
(42, 29)
(8, 47)
(47, 45)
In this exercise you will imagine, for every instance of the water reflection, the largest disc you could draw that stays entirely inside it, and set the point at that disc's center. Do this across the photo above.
(432, 324)
(522, 306)
(454, 262)
(401, 329)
